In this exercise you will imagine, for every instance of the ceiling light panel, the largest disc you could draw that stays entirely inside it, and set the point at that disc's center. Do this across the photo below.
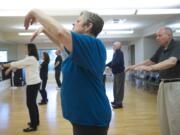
(113, 11)
(78, 4)
(117, 32)
(28, 34)
(120, 26)
(157, 11)
(35, 27)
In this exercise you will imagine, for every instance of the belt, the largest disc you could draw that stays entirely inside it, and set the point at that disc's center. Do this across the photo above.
(174, 80)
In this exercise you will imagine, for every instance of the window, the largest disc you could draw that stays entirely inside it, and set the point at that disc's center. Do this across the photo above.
(109, 55)
(3, 55)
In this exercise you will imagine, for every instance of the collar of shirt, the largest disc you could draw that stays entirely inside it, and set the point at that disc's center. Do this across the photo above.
(171, 44)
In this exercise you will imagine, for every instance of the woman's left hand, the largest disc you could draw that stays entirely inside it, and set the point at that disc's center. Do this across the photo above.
(36, 33)
(29, 20)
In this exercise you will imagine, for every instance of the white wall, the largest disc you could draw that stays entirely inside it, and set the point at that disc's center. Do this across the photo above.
(139, 50)
(21, 51)
(144, 48)
(126, 56)
(150, 47)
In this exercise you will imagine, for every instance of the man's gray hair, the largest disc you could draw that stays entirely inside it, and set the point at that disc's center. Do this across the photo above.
(95, 19)
(168, 30)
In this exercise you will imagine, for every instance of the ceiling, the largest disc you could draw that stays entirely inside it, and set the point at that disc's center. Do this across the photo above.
(117, 15)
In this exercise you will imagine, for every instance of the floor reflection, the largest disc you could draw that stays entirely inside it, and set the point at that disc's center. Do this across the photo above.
(4, 115)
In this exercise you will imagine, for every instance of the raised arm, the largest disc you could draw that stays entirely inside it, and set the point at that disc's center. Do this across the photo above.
(52, 38)
(58, 32)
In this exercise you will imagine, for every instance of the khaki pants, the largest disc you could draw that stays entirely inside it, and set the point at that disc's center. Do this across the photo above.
(169, 108)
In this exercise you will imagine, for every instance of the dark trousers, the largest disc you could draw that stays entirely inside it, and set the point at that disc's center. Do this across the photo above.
(118, 87)
(43, 90)
(57, 77)
(31, 96)
(89, 130)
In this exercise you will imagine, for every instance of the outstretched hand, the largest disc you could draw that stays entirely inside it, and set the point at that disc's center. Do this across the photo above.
(1, 66)
(8, 71)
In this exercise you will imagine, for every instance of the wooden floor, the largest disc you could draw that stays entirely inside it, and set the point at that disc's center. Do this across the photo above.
(138, 117)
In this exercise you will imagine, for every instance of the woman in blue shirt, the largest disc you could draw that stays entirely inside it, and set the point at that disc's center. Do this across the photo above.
(83, 97)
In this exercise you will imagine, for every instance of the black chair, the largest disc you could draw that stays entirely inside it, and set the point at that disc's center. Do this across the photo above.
(19, 78)
(153, 81)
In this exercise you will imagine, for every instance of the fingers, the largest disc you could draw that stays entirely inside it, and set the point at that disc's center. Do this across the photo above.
(26, 24)
(26, 21)
(130, 68)
(29, 20)
(7, 72)
(138, 68)
(36, 33)
(1, 67)
(127, 69)
(33, 37)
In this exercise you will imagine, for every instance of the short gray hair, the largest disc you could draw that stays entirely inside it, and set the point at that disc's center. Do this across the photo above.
(95, 19)
(167, 30)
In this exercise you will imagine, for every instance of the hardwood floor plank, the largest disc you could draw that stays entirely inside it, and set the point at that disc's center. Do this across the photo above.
(138, 117)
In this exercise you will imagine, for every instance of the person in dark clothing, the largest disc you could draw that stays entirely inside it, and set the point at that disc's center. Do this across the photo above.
(44, 77)
(57, 68)
(166, 60)
(117, 66)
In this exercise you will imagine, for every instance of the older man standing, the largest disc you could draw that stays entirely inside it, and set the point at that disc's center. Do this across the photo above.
(167, 61)
(117, 66)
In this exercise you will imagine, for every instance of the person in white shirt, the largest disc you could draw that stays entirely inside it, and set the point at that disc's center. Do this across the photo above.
(31, 65)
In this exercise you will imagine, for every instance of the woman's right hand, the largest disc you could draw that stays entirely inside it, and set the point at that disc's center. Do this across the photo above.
(29, 19)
